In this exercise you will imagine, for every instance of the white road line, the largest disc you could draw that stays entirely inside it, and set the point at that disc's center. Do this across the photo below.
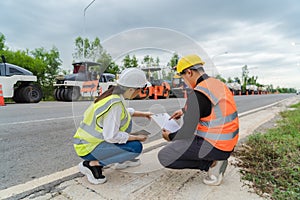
(258, 109)
(40, 120)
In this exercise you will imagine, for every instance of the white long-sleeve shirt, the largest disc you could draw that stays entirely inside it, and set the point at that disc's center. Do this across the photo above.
(111, 121)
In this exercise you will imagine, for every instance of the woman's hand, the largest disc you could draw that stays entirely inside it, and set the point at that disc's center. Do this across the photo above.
(142, 114)
(165, 134)
(177, 114)
(148, 114)
(141, 138)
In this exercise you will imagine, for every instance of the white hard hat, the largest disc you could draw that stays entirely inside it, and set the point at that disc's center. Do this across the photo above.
(133, 78)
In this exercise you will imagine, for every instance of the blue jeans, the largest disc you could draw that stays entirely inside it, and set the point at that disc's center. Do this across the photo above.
(108, 153)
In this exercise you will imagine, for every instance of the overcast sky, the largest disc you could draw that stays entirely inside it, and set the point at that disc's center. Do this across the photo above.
(255, 33)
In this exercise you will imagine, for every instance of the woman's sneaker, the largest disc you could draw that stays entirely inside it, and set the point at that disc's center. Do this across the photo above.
(216, 173)
(128, 163)
(93, 173)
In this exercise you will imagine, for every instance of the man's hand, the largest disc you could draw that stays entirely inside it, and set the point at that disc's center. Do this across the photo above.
(165, 134)
(177, 114)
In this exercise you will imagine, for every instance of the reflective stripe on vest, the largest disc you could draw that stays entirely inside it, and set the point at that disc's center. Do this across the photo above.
(220, 121)
(217, 136)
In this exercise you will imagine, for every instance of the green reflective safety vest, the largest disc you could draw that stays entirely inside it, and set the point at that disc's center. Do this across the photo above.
(89, 134)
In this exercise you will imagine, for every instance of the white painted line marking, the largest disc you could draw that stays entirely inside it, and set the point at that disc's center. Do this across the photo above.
(40, 120)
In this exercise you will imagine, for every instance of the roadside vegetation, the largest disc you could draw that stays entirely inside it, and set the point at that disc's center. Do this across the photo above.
(271, 161)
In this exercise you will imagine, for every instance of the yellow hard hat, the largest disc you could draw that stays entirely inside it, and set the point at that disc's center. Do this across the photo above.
(188, 61)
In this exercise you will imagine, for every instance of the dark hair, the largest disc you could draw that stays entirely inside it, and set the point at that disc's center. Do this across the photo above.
(112, 89)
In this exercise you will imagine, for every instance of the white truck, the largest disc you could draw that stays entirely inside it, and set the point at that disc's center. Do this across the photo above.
(87, 80)
(235, 87)
(252, 89)
(19, 83)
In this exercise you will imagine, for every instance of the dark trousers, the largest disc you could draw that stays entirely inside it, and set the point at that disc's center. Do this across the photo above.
(194, 153)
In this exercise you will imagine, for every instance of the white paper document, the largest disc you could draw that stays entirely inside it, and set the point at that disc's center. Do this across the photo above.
(162, 120)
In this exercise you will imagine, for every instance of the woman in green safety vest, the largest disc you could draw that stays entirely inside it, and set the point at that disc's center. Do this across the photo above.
(103, 136)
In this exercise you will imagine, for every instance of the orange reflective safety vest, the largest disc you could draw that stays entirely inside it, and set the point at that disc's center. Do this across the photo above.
(221, 127)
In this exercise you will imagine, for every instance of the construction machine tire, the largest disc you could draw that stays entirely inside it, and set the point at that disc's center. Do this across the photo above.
(68, 94)
(31, 93)
(72, 94)
(56, 94)
(18, 98)
(61, 94)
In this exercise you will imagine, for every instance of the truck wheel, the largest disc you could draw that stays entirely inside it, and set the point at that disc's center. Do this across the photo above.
(18, 95)
(32, 93)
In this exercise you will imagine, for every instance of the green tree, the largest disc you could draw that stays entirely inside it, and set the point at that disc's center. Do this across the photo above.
(157, 61)
(229, 80)
(237, 80)
(245, 73)
(148, 61)
(164, 74)
(87, 50)
(252, 80)
(174, 60)
(93, 51)
(113, 68)
(2, 42)
(130, 62)
(134, 61)
(52, 62)
(126, 61)
(104, 60)
(24, 60)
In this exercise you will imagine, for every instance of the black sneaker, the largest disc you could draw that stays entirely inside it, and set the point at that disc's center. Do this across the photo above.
(93, 173)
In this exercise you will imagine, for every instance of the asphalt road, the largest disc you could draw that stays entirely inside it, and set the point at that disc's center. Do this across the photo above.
(36, 139)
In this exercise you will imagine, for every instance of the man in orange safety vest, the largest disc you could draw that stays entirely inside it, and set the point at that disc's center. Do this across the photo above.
(211, 126)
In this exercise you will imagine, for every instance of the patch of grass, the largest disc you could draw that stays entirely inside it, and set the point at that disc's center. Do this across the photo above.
(271, 160)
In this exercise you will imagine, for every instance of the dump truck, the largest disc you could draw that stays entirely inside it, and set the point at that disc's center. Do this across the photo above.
(86, 81)
(19, 84)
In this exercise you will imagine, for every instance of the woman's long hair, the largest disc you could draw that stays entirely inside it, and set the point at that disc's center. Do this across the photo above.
(111, 90)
